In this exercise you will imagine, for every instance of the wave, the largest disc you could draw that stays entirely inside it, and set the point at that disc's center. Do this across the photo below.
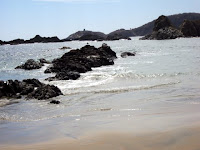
(118, 90)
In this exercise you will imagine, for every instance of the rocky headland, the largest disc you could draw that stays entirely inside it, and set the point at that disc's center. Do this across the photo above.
(163, 29)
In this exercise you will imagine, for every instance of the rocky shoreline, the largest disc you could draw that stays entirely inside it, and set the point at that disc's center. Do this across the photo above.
(67, 67)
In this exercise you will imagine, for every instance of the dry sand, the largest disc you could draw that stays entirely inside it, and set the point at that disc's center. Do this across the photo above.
(186, 138)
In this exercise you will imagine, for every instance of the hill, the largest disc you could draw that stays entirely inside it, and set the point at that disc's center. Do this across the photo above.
(176, 20)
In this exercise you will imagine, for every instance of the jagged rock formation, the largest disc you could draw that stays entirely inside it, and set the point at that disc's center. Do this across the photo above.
(31, 88)
(190, 28)
(176, 20)
(162, 30)
(71, 64)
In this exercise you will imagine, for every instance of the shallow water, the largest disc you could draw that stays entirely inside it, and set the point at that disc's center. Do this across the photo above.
(155, 90)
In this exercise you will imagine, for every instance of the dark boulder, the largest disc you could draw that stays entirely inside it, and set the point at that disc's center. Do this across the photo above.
(80, 61)
(125, 54)
(31, 87)
(45, 92)
(30, 65)
(64, 47)
(190, 28)
(44, 61)
(54, 102)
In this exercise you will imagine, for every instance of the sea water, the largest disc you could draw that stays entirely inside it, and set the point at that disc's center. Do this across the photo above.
(156, 89)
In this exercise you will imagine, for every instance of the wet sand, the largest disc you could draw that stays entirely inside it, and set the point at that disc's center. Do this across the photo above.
(186, 138)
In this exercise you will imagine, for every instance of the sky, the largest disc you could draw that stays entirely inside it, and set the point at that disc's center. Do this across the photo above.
(27, 18)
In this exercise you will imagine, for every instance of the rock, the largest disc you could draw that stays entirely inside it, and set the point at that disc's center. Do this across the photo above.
(125, 54)
(86, 36)
(162, 30)
(32, 88)
(161, 22)
(45, 92)
(71, 64)
(64, 47)
(39, 39)
(44, 61)
(30, 65)
(120, 34)
(54, 102)
(190, 28)
(16, 41)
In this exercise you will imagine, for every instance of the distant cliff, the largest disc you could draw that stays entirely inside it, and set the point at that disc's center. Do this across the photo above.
(176, 20)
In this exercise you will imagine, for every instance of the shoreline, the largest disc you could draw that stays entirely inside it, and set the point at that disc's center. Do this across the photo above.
(183, 138)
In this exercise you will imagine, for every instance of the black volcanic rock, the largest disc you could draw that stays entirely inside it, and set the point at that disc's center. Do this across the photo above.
(120, 34)
(30, 65)
(32, 88)
(86, 36)
(54, 102)
(163, 29)
(45, 92)
(80, 61)
(190, 28)
(125, 54)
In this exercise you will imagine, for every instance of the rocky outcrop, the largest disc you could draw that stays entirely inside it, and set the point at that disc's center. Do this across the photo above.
(64, 47)
(120, 34)
(39, 39)
(163, 34)
(1, 42)
(31, 88)
(54, 102)
(162, 30)
(71, 64)
(176, 20)
(125, 54)
(86, 36)
(44, 61)
(30, 65)
(190, 28)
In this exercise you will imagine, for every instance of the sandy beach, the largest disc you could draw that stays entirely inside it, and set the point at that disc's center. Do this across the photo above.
(186, 138)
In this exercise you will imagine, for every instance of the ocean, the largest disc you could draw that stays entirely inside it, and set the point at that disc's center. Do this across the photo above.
(156, 90)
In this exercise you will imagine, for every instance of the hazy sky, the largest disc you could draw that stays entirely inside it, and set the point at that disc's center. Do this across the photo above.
(26, 18)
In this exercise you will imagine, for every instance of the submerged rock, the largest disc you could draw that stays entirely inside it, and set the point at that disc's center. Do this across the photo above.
(125, 54)
(64, 47)
(54, 102)
(71, 64)
(30, 65)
